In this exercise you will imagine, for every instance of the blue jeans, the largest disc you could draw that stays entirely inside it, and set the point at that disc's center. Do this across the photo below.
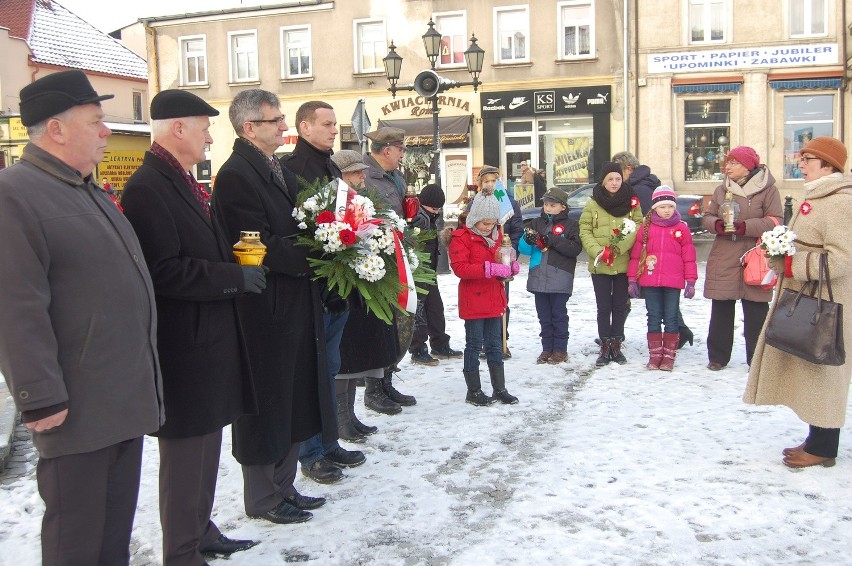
(663, 304)
(313, 449)
(479, 331)
(552, 310)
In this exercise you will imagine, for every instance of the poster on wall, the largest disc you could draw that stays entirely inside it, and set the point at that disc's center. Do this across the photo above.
(571, 160)
(118, 166)
(455, 183)
(525, 195)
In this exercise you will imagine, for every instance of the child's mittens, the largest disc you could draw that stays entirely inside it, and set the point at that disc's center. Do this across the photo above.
(633, 289)
(516, 267)
(497, 270)
(689, 291)
(530, 236)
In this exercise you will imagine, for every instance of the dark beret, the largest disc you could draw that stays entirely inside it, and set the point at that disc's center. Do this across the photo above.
(56, 93)
(174, 103)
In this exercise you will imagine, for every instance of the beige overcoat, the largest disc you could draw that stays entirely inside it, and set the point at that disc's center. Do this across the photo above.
(816, 393)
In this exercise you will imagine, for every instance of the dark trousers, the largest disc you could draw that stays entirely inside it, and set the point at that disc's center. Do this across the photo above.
(266, 486)
(663, 305)
(479, 332)
(90, 501)
(552, 311)
(611, 298)
(429, 321)
(823, 442)
(720, 336)
(188, 471)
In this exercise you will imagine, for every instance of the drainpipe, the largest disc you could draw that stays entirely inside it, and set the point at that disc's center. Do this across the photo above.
(626, 74)
(155, 58)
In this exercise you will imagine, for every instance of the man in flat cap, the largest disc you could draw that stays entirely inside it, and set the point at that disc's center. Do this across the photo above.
(206, 376)
(284, 325)
(311, 162)
(78, 342)
(387, 148)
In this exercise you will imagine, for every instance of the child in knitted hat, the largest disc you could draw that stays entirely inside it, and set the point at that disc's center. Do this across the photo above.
(662, 262)
(482, 297)
(429, 321)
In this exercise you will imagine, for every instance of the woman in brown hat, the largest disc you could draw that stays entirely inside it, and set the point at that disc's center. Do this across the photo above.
(817, 393)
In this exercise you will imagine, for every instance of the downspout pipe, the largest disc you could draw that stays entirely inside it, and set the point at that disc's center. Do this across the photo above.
(154, 62)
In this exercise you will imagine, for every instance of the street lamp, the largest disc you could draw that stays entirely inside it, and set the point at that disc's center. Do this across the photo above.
(430, 84)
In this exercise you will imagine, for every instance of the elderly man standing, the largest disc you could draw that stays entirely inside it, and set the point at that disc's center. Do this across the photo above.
(284, 325)
(311, 162)
(78, 342)
(206, 378)
(387, 148)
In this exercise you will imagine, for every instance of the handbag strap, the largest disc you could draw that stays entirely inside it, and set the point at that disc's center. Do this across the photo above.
(823, 264)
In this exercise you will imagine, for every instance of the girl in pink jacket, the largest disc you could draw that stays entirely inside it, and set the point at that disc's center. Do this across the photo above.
(662, 262)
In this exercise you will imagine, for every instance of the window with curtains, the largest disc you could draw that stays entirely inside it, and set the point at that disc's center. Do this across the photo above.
(808, 17)
(295, 52)
(453, 29)
(371, 45)
(242, 56)
(805, 117)
(512, 24)
(193, 57)
(707, 21)
(576, 29)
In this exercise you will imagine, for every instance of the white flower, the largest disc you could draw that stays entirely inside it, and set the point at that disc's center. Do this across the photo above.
(629, 227)
(299, 214)
(302, 226)
(778, 241)
(413, 260)
(329, 235)
(416, 230)
(394, 218)
(311, 204)
(369, 267)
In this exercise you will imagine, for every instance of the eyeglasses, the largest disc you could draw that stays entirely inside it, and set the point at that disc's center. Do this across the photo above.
(805, 160)
(278, 121)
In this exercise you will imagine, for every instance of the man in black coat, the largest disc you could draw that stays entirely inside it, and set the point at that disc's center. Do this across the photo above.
(283, 325)
(206, 378)
(311, 162)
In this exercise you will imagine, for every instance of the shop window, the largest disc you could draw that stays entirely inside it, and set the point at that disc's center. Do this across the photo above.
(577, 29)
(453, 29)
(805, 117)
(707, 21)
(370, 45)
(242, 56)
(707, 138)
(807, 17)
(295, 52)
(193, 55)
(565, 145)
(512, 24)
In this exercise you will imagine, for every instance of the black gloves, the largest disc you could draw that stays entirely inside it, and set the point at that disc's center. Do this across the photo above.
(545, 240)
(254, 278)
(530, 236)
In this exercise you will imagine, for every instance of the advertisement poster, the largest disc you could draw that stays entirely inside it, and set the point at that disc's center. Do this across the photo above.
(525, 195)
(118, 166)
(571, 160)
(455, 183)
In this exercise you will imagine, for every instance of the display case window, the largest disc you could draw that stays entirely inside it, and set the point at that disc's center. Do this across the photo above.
(565, 145)
(805, 117)
(706, 140)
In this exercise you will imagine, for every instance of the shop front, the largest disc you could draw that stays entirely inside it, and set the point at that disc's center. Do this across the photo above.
(563, 131)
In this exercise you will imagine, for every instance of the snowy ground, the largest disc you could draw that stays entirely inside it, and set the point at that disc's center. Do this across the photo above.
(613, 466)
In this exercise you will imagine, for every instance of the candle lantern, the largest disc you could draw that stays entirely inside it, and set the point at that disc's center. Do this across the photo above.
(410, 204)
(506, 254)
(250, 250)
(729, 210)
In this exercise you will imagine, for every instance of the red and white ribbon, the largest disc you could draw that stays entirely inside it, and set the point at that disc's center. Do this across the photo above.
(407, 297)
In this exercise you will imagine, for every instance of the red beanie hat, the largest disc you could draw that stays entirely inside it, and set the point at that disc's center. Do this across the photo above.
(747, 157)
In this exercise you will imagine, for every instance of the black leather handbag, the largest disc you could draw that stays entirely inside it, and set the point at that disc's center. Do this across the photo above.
(807, 326)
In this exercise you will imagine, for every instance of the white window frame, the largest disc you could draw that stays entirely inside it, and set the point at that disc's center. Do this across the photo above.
(498, 58)
(357, 26)
(807, 9)
(560, 31)
(285, 52)
(726, 16)
(438, 17)
(184, 60)
(233, 55)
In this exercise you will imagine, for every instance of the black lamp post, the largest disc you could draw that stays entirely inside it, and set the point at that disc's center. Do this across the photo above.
(430, 84)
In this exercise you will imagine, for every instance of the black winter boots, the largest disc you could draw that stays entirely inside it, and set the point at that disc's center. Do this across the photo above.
(498, 383)
(475, 396)
(393, 394)
(358, 425)
(376, 399)
(345, 428)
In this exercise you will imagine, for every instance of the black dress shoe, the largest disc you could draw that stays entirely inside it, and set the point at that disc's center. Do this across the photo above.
(343, 458)
(304, 502)
(285, 514)
(225, 545)
(323, 471)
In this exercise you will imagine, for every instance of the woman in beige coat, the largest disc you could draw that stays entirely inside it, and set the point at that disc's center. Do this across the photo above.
(817, 393)
(752, 187)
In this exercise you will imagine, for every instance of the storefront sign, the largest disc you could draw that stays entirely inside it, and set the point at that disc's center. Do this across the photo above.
(420, 106)
(13, 130)
(579, 100)
(744, 58)
(118, 166)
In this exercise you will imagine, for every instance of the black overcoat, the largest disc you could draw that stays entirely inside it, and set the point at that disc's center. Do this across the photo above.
(284, 325)
(206, 376)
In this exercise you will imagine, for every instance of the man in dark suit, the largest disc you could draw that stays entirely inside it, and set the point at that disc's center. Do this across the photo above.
(206, 376)
(284, 325)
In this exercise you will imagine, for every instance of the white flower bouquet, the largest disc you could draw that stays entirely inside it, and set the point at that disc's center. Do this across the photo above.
(362, 247)
(778, 242)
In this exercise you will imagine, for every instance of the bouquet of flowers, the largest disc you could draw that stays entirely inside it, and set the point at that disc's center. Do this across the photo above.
(776, 244)
(362, 247)
(608, 254)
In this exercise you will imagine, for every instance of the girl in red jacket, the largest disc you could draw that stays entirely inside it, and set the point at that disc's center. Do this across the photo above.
(482, 297)
(662, 262)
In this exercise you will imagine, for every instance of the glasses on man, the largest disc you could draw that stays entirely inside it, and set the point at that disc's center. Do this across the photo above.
(277, 121)
(805, 160)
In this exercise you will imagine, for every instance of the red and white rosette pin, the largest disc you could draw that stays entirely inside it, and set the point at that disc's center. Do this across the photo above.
(558, 230)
